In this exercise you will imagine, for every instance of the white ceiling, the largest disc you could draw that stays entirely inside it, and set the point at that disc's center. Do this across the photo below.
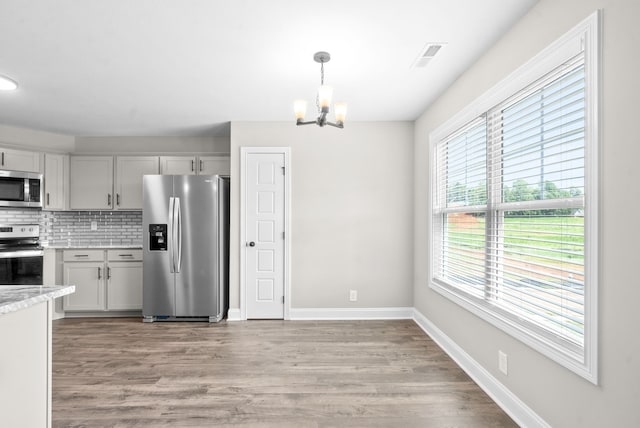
(188, 67)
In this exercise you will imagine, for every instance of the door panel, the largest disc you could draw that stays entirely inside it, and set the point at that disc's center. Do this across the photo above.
(124, 286)
(264, 276)
(91, 182)
(129, 173)
(197, 282)
(158, 281)
(212, 165)
(88, 277)
(178, 165)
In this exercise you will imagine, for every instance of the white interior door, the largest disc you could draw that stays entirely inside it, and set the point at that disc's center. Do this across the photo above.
(264, 279)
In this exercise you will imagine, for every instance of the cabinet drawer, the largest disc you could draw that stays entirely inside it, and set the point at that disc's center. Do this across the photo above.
(83, 255)
(124, 255)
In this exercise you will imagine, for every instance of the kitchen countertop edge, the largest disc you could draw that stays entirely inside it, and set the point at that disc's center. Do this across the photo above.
(14, 298)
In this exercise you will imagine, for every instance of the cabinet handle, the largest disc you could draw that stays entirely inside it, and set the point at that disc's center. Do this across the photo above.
(125, 255)
(2, 158)
(118, 199)
(108, 273)
(193, 167)
(48, 203)
(99, 273)
(81, 255)
(109, 199)
(200, 165)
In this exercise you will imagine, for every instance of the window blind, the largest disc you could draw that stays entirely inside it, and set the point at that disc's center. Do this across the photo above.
(462, 200)
(537, 247)
(508, 208)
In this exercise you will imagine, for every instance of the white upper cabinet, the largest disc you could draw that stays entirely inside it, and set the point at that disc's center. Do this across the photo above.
(20, 160)
(91, 183)
(178, 165)
(129, 173)
(192, 165)
(56, 172)
(211, 165)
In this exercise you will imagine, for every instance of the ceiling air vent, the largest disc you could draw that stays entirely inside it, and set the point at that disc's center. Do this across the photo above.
(427, 53)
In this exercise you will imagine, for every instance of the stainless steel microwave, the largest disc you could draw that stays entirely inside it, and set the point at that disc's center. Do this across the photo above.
(20, 189)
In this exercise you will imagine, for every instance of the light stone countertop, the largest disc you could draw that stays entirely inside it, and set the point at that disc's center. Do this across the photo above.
(17, 297)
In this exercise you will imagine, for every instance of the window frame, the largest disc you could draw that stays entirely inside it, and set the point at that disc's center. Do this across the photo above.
(583, 37)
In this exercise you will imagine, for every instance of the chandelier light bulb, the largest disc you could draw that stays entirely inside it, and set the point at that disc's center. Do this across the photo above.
(340, 111)
(324, 96)
(300, 109)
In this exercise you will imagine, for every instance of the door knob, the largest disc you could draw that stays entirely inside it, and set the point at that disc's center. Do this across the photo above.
(252, 244)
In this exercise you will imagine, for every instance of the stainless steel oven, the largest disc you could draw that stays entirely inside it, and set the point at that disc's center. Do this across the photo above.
(21, 255)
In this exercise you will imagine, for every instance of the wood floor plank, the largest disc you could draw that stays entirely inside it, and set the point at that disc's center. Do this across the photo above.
(119, 372)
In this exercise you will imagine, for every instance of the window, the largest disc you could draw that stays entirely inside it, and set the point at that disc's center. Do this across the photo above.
(513, 209)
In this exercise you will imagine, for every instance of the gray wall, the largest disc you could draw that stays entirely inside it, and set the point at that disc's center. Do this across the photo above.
(23, 138)
(562, 398)
(37, 140)
(151, 145)
(351, 211)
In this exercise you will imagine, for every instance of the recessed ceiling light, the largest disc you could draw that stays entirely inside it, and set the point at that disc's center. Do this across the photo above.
(7, 84)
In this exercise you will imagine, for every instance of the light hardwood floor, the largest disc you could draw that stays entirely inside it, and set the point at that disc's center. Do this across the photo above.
(119, 372)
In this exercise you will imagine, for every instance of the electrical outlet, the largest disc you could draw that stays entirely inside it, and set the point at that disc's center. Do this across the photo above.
(503, 362)
(353, 295)
(94, 225)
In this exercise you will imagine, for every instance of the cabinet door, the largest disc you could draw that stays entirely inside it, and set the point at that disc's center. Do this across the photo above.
(91, 183)
(19, 160)
(124, 286)
(56, 169)
(177, 165)
(129, 172)
(211, 165)
(88, 277)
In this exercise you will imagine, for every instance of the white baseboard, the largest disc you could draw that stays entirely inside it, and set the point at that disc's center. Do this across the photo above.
(233, 314)
(522, 414)
(350, 313)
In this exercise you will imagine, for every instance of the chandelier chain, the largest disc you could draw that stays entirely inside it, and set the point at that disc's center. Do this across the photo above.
(321, 83)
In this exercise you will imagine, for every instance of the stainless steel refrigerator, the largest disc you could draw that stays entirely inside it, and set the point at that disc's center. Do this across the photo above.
(186, 247)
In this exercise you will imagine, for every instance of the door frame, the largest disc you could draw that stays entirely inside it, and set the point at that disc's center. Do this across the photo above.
(244, 152)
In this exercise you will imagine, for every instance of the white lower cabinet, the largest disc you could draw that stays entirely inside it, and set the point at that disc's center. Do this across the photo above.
(105, 280)
(89, 282)
(124, 280)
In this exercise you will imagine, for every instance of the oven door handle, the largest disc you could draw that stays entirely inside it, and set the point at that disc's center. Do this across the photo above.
(16, 254)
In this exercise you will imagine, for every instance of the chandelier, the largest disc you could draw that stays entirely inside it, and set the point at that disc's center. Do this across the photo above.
(323, 100)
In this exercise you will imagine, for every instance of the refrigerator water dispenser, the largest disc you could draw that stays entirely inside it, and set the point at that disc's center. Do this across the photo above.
(157, 237)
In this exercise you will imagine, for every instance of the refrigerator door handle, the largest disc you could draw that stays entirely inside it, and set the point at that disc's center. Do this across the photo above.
(170, 236)
(178, 223)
